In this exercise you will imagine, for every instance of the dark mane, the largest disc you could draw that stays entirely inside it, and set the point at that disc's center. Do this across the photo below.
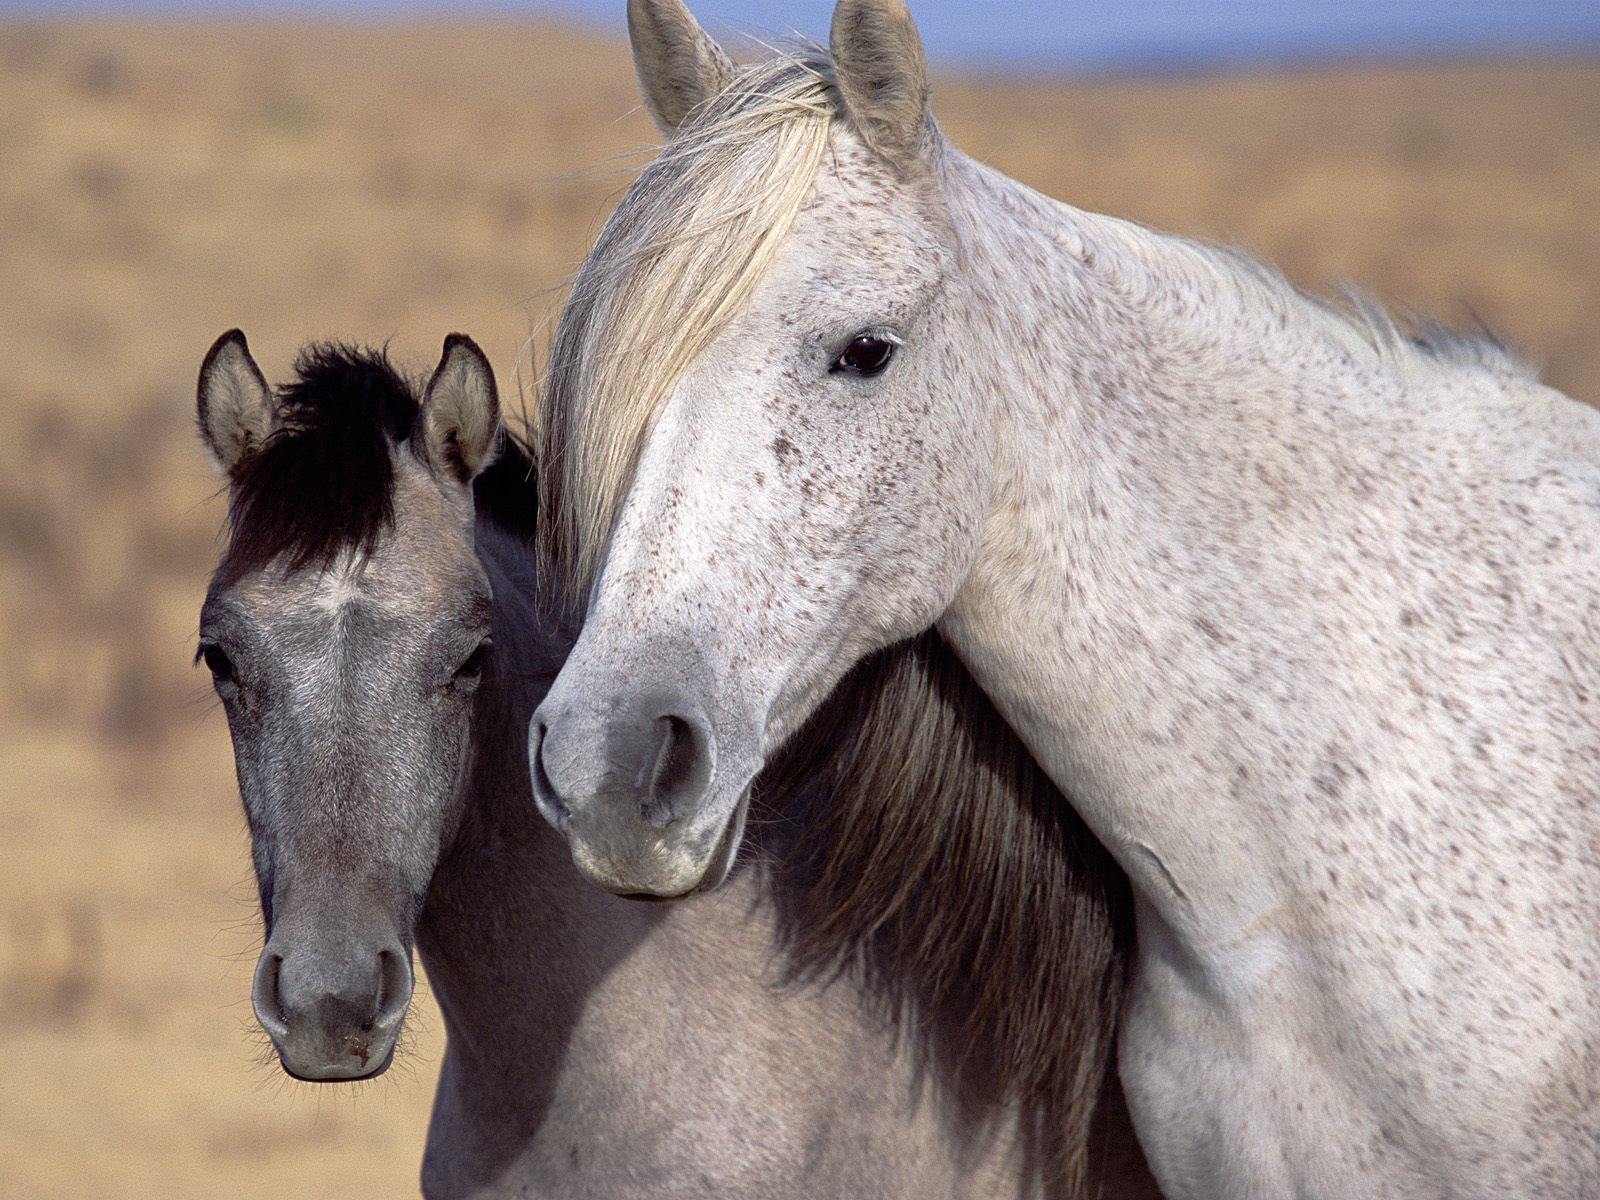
(324, 482)
(936, 861)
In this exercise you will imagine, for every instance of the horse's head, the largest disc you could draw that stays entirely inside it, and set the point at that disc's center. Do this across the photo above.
(346, 629)
(765, 453)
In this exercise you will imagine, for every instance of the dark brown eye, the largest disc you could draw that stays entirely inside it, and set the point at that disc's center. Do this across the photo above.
(866, 355)
(470, 671)
(217, 662)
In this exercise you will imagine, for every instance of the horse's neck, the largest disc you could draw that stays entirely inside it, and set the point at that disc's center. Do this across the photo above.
(1201, 480)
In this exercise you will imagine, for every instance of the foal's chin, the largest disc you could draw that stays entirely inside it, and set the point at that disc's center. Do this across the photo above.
(661, 869)
(340, 1070)
(313, 1054)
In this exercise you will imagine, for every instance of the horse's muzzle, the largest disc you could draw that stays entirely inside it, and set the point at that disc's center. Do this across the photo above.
(332, 1017)
(630, 784)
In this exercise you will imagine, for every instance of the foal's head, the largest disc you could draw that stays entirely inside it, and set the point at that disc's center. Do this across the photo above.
(346, 628)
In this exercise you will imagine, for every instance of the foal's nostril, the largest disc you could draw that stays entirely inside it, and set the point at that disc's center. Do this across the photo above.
(264, 997)
(333, 1004)
(394, 987)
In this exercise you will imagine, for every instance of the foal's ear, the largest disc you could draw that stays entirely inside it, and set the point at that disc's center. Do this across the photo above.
(882, 74)
(460, 419)
(233, 404)
(679, 66)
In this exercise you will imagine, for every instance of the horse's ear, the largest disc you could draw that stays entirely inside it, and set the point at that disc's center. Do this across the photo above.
(459, 427)
(882, 74)
(233, 404)
(680, 67)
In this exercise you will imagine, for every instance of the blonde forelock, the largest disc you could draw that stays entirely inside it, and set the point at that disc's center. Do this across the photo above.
(672, 266)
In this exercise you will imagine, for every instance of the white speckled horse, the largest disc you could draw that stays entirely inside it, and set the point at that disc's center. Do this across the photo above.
(1301, 609)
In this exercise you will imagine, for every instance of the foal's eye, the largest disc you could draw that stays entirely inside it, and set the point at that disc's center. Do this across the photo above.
(866, 355)
(470, 671)
(217, 662)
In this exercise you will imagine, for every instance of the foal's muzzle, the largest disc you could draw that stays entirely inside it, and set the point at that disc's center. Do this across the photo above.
(333, 1012)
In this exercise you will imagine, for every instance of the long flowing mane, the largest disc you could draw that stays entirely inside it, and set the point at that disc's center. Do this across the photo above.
(937, 863)
(934, 860)
(676, 259)
(693, 235)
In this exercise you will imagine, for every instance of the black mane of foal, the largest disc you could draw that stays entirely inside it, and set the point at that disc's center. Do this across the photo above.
(324, 482)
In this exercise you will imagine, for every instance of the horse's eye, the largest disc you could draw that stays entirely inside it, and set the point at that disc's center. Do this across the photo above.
(471, 670)
(217, 662)
(866, 355)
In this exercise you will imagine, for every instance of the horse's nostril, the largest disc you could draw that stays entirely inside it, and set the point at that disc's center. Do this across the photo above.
(681, 768)
(673, 766)
(605, 775)
(544, 791)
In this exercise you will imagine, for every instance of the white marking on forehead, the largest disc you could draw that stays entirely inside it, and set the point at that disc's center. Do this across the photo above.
(340, 584)
(334, 592)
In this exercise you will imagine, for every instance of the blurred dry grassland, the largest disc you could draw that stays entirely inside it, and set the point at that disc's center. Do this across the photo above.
(162, 182)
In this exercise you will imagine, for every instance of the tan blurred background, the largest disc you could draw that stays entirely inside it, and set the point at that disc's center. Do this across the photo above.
(161, 182)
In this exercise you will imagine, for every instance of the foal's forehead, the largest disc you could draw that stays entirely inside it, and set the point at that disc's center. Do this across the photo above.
(422, 568)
